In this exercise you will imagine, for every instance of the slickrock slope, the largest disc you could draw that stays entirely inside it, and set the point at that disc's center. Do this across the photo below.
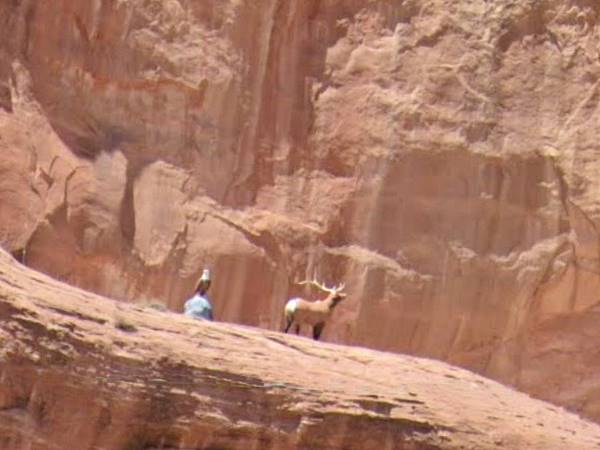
(81, 371)
(439, 156)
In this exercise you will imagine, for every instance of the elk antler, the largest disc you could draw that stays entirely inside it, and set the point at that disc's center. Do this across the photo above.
(332, 290)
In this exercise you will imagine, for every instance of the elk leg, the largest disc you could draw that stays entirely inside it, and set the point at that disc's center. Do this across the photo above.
(317, 330)
(288, 325)
(298, 329)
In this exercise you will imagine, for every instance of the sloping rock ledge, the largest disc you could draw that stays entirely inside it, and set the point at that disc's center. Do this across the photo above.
(81, 371)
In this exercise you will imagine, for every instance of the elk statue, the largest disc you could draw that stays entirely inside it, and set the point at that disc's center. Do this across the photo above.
(303, 312)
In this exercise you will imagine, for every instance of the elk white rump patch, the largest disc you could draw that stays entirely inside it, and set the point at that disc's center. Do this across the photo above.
(291, 306)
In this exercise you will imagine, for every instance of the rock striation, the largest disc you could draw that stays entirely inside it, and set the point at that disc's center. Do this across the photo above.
(439, 156)
(81, 371)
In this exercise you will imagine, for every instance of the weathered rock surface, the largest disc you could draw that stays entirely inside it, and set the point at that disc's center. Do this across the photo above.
(81, 371)
(439, 156)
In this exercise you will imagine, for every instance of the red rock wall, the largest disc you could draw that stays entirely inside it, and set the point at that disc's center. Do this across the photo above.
(437, 156)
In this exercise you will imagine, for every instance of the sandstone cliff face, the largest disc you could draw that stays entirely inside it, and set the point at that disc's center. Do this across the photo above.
(438, 156)
(81, 371)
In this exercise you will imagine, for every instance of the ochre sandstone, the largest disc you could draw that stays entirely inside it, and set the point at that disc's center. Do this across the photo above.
(440, 157)
(79, 371)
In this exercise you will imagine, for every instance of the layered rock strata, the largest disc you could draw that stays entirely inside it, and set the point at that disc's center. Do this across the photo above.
(81, 371)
